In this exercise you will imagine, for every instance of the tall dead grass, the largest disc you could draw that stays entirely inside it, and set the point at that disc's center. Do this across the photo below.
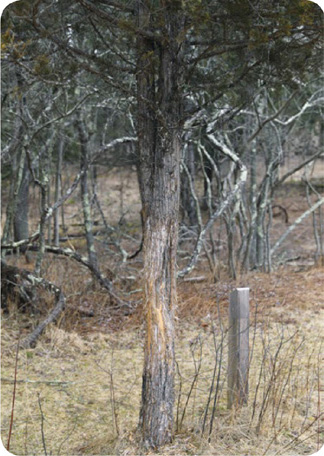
(89, 386)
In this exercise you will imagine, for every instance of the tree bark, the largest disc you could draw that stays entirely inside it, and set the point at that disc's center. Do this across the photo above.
(187, 199)
(21, 227)
(159, 133)
(58, 191)
(12, 202)
(86, 205)
(45, 213)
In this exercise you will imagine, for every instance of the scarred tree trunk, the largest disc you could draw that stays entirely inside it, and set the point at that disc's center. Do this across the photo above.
(159, 133)
(160, 297)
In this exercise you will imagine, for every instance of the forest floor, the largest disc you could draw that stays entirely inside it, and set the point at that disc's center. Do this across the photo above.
(78, 391)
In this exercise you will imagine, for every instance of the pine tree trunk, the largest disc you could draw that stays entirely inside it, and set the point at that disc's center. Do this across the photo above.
(159, 133)
(160, 297)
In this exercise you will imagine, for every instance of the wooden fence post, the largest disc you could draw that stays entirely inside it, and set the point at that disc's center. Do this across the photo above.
(238, 347)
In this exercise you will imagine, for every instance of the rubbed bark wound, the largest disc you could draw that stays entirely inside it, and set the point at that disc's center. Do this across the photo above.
(160, 245)
(156, 417)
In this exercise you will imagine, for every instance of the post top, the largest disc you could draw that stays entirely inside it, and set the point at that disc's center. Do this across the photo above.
(243, 288)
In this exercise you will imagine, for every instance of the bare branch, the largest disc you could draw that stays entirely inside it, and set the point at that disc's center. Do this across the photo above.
(297, 168)
(30, 281)
(297, 222)
(224, 205)
(104, 281)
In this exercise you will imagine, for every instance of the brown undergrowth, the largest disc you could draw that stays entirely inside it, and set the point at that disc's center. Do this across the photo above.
(86, 372)
(78, 392)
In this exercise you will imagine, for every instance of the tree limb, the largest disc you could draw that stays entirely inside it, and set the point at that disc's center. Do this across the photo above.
(29, 282)
(104, 281)
(297, 168)
(297, 222)
(30, 340)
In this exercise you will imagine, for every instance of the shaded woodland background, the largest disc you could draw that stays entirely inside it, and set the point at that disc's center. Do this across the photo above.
(82, 85)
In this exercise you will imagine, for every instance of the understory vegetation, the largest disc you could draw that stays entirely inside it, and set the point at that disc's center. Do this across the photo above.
(79, 390)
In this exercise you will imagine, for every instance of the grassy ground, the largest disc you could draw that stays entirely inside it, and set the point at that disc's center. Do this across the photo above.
(78, 392)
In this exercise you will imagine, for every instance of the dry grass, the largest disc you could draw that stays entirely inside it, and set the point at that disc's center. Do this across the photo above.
(71, 375)
(89, 384)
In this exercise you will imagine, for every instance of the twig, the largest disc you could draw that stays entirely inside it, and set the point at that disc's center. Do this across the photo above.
(42, 425)
(13, 394)
(219, 350)
(195, 279)
(179, 395)
(104, 281)
(69, 192)
(195, 379)
(112, 392)
(318, 400)
(230, 198)
(68, 435)
(298, 436)
(36, 382)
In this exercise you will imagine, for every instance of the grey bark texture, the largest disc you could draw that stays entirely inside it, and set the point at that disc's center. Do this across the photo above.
(296, 223)
(18, 168)
(86, 205)
(187, 199)
(159, 143)
(58, 178)
(20, 222)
